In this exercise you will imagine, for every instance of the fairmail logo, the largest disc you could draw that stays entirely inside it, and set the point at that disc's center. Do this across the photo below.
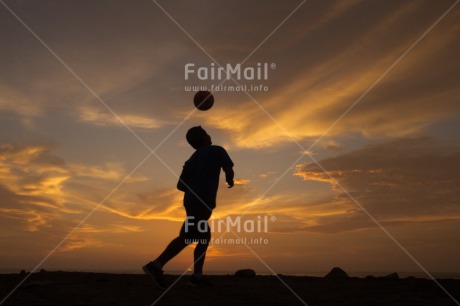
(238, 72)
(230, 223)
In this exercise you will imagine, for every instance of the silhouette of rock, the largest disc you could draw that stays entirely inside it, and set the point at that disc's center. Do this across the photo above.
(247, 273)
(23, 272)
(370, 277)
(337, 274)
(43, 271)
(393, 275)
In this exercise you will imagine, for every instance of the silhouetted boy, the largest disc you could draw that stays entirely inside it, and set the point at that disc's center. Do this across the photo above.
(199, 181)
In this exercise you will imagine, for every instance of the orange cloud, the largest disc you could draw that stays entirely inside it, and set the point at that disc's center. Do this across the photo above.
(39, 188)
(103, 117)
(264, 175)
(110, 228)
(241, 181)
(77, 242)
(114, 172)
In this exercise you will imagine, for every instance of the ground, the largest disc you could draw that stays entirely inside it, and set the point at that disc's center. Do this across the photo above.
(73, 288)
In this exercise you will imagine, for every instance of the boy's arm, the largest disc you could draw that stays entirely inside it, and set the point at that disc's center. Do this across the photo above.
(229, 174)
(227, 165)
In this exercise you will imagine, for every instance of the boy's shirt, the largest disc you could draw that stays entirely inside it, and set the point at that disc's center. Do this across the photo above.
(201, 175)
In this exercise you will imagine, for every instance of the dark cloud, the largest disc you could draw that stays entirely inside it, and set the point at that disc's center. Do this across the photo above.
(327, 54)
(405, 180)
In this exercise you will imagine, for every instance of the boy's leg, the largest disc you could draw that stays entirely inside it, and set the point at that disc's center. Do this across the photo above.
(199, 255)
(197, 279)
(174, 248)
(202, 246)
(200, 214)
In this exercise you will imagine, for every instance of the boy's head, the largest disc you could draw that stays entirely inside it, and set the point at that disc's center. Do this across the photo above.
(197, 137)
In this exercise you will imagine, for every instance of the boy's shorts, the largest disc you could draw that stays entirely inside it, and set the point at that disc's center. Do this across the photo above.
(196, 225)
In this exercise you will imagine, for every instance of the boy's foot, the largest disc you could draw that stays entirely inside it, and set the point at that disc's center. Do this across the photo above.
(155, 274)
(203, 281)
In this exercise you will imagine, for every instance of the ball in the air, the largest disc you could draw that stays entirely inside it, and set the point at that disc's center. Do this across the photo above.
(203, 100)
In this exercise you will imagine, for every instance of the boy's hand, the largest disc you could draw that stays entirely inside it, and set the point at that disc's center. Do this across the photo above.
(229, 174)
(230, 184)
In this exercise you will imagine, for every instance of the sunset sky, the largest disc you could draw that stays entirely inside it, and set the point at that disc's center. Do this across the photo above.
(87, 87)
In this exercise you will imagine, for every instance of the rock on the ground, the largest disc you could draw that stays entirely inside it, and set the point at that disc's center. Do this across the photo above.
(370, 277)
(245, 273)
(337, 274)
(393, 275)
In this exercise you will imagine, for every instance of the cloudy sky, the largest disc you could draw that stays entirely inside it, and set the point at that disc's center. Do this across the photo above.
(352, 144)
